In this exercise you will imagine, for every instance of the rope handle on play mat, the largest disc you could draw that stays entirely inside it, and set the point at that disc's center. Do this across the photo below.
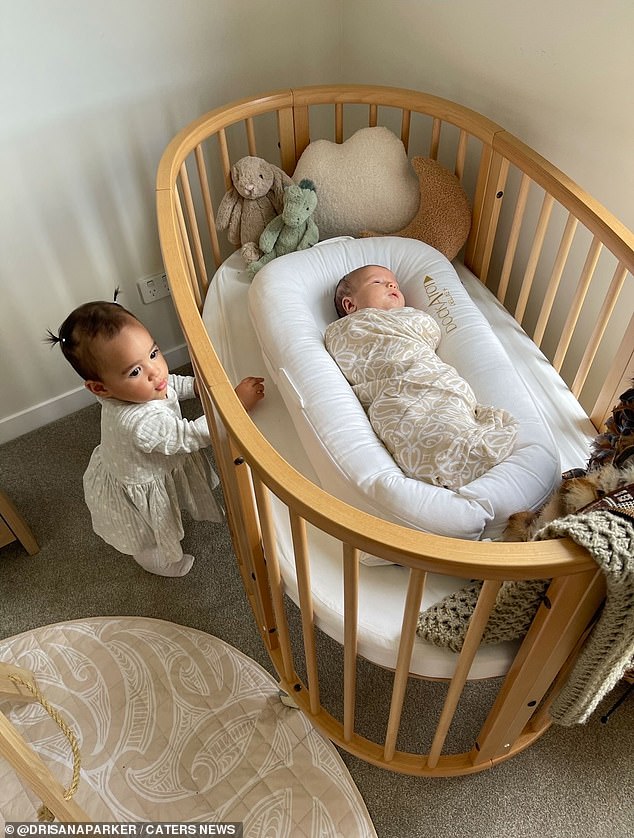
(44, 813)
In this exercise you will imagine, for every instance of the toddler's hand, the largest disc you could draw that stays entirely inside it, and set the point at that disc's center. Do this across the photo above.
(250, 390)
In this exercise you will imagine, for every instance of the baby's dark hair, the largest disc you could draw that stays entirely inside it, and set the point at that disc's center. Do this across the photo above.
(78, 332)
(345, 287)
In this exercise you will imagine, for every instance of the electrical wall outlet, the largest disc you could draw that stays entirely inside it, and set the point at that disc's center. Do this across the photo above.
(153, 287)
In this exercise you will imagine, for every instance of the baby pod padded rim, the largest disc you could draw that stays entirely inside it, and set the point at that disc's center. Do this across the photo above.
(291, 303)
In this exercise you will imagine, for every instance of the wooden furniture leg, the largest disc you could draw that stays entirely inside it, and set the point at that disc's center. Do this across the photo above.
(24, 760)
(13, 527)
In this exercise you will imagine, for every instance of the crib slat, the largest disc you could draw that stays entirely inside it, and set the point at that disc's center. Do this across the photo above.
(541, 717)
(286, 133)
(339, 122)
(275, 577)
(201, 272)
(193, 282)
(241, 515)
(302, 565)
(513, 238)
(435, 139)
(492, 175)
(607, 308)
(250, 128)
(406, 121)
(224, 157)
(373, 116)
(415, 589)
(479, 214)
(618, 379)
(351, 620)
(475, 630)
(577, 303)
(302, 129)
(209, 209)
(555, 278)
(491, 212)
(461, 154)
(533, 259)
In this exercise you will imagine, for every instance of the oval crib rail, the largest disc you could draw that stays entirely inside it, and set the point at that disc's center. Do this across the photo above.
(538, 241)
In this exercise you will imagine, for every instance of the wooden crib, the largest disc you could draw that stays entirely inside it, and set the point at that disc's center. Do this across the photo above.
(556, 259)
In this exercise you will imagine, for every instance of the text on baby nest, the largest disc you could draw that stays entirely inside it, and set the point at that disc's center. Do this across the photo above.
(439, 300)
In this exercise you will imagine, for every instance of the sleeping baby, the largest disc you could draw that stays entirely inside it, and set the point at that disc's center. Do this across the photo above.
(424, 413)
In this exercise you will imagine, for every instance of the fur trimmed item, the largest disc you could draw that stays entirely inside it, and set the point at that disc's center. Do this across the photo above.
(610, 467)
(573, 494)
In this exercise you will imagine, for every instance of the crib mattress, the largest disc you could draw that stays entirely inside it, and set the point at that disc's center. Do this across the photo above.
(382, 588)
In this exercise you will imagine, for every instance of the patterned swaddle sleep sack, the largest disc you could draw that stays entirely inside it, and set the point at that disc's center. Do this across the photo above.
(425, 414)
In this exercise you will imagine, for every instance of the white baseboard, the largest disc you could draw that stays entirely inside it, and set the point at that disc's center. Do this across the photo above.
(41, 414)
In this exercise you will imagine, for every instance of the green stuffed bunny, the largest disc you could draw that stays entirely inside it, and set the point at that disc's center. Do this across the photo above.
(294, 229)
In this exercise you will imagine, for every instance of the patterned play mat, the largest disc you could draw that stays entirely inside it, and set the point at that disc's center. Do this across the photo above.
(174, 725)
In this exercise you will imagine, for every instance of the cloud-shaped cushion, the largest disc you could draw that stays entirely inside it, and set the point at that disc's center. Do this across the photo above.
(365, 183)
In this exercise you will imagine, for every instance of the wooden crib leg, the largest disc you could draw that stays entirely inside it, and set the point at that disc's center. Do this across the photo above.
(570, 604)
(242, 521)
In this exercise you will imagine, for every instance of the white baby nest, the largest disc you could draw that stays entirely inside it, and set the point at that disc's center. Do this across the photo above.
(291, 303)
(312, 417)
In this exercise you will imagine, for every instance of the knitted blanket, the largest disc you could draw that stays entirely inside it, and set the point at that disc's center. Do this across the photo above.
(609, 649)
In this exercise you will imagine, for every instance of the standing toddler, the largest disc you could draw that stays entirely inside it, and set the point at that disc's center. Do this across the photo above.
(150, 462)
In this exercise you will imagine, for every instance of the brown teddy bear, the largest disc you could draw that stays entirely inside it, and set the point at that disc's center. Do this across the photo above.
(256, 197)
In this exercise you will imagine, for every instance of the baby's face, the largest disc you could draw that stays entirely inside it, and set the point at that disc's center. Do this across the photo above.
(374, 287)
(132, 367)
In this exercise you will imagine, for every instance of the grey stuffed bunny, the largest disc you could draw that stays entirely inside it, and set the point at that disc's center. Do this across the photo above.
(256, 197)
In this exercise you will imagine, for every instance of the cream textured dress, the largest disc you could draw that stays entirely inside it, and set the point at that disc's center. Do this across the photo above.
(147, 468)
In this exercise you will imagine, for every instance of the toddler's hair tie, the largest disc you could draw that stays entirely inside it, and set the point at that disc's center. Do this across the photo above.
(52, 338)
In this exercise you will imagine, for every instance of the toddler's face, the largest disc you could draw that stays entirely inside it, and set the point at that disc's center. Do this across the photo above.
(374, 287)
(131, 365)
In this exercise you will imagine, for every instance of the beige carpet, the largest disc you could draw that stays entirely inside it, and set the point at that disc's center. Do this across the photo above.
(175, 725)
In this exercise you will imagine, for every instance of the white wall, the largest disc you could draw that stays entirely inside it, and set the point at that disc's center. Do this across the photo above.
(90, 95)
(557, 73)
(92, 92)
